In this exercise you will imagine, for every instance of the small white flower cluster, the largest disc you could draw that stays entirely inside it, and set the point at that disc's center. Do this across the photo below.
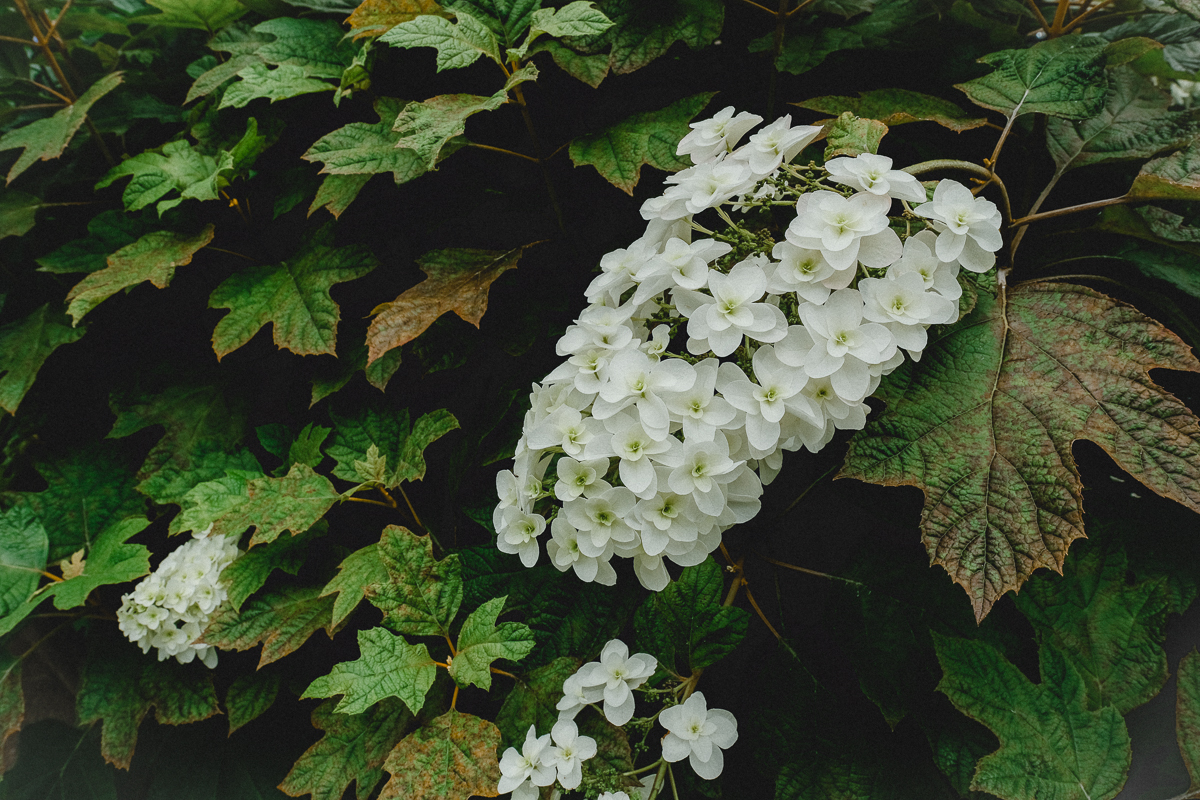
(693, 730)
(170, 608)
(654, 454)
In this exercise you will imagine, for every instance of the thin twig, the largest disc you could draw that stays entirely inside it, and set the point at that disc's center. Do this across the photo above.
(761, 615)
(537, 149)
(230, 252)
(809, 488)
(15, 40)
(508, 152)
(807, 571)
(411, 510)
(756, 5)
(368, 501)
(1061, 212)
(66, 100)
(1041, 17)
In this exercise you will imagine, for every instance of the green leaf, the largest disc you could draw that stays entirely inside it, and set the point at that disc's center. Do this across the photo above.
(388, 431)
(428, 128)
(1125, 51)
(247, 574)
(356, 574)
(459, 44)
(1056, 747)
(1134, 123)
(893, 24)
(201, 434)
(87, 492)
(481, 641)
(24, 347)
(1173, 177)
(421, 595)
(896, 107)
(213, 79)
(458, 280)
(23, 551)
(249, 696)
(315, 46)
(48, 138)
(109, 560)
(1063, 77)
(120, 685)
(281, 621)
(362, 148)
(685, 626)
(618, 152)
(1110, 630)
(153, 258)
(574, 19)
(375, 17)
(591, 69)
(1165, 264)
(452, 757)
(205, 15)
(507, 19)
(178, 167)
(337, 192)
(18, 212)
(533, 700)
(388, 667)
(269, 505)
(1175, 34)
(258, 81)
(1187, 717)
(850, 136)
(293, 295)
(108, 232)
(641, 32)
(992, 448)
(352, 749)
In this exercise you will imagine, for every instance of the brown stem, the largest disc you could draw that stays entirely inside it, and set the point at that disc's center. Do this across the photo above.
(761, 615)
(1060, 16)
(411, 510)
(368, 501)
(1041, 17)
(756, 5)
(509, 152)
(391, 500)
(15, 40)
(230, 252)
(454, 698)
(453, 651)
(502, 672)
(66, 100)
(1061, 212)
(809, 488)
(1084, 15)
(537, 149)
(807, 571)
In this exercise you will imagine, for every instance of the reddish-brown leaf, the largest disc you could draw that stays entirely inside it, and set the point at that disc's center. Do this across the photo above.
(452, 757)
(376, 17)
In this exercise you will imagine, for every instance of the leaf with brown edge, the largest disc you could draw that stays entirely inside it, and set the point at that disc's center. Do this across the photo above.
(352, 750)
(985, 422)
(375, 17)
(1173, 177)
(153, 258)
(895, 107)
(458, 280)
(281, 621)
(452, 757)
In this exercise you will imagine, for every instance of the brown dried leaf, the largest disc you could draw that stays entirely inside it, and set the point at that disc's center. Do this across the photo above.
(452, 757)
(376, 17)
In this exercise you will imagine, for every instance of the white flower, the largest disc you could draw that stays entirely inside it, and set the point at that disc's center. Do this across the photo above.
(619, 673)
(764, 402)
(721, 133)
(733, 312)
(603, 517)
(919, 257)
(563, 550)
(700, 409)
(843, 345)
(700, 469)
(530, 764)
(871, 173)
(570, 752)
(777, 143)
(576, 696)
(576, 477)
(800, 270)
(636, 379)
(680, 264)
(711, 183)
(634, 446)
(566, 428)
(901, 303)
(698, 734)
(517, 534)
(617, 271)
(968, 226)
(845, 230)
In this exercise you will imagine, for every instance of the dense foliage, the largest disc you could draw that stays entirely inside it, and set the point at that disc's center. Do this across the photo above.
(314, 557)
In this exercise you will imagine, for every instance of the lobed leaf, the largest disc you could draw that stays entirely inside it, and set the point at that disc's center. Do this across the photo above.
(850, 136)
(108, 232)
(356, 574)
(1173, 177)
(249, 696)
(23, 550)
(362, 148)
(401, 449)
(337, 192)
(1063, 77)
(317, 47)
(178, 168)
(24, 347)
(388, 667)
(110, 559)
(984, 426)
(247, 574)
(205, 15)
(458, 280)
(1187, 717)
(452, 757)
(458, 44)
(18, 212)
(259, 81)
(507, 19)
(281, 621)
(375, 17)
(429, 128)
(422, 595)
(618, 152)
(481, 641)
(533, 700)
(641, 32)
(896, 107)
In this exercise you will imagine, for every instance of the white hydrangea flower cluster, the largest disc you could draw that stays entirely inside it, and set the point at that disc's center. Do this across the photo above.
(650, 454)
(694, 731)
(170, 608)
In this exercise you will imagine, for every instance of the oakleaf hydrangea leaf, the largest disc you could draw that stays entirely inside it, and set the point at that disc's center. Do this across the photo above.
(1173, 177)
(210, 81)
(178, 167)
(508, 19)
(120, 685)
(109, 560)
(352, 750)
(985, 422)
(18, 212)
(579, 18)
(48, 138)
(458, 280)
(642, 32)
(388, 431)
(459, 43)
(850, 136)
(356, 574)
(685, 626)
(452, 757)
(23, 550)
(534, 699)
(388, 667)
(481, 641)
(12, 698)
(247, 574)
(591, 68)
(249, 696)
(362, 148)
(422, 594)
(316, 46)
(337, 192)
(281, 621)
(1063, 77)
(1056, 746)
(292, 295)
(1187, 717)
(153, 258)
(1134, 123)
(108, 232)
(375, 17)
(1111, 631)
(280, 83)
(618, 152)
(896, 107)
(24, 346)
(269, 505)
(205, 15)
(427, 128)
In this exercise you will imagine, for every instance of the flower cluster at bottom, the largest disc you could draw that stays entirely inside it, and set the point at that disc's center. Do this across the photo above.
(694, 731)
(170, 608)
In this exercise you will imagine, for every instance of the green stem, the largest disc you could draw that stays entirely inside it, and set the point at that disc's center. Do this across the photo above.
(965, 166)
